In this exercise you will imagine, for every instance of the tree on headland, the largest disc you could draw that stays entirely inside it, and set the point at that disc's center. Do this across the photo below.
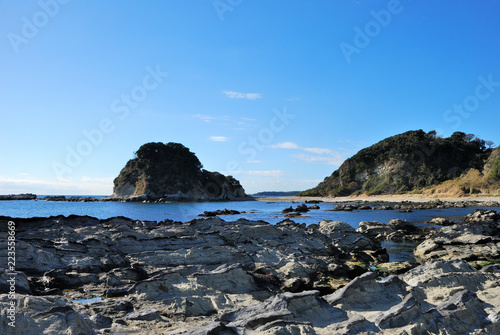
(404, 163)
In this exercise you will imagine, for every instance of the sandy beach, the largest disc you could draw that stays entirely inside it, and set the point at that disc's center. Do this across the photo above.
(382, 198)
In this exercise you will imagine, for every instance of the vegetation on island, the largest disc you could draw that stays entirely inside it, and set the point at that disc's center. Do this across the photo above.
(160, 169)
(414, 162)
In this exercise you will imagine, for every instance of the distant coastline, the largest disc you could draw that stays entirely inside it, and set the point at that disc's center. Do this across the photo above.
(276, 194)
(103, 198)
(270, 196)
(395, 198)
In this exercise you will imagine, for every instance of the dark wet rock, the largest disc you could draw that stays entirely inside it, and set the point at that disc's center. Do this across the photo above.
(220, 212)
(302, 208)
(101, 321)
(24, 196)
(482, 216)
(351, 245)
(82, 199)
(396, 230)
(18, 278)
(294, 215)
(399, 224)
(70, 199)
(374, 229)
(55, 198)
(345, 207)
(299, 209)
(493, 268)
(122, 305)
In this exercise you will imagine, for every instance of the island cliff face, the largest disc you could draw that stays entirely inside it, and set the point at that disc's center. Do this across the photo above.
(172, 172)
(413, 162)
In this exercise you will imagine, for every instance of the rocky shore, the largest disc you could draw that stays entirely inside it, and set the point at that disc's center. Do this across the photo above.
(143, 199)
(24, 196)
(210, 276)
(404, 204)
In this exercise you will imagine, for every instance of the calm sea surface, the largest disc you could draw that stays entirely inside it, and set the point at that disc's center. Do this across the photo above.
(254, 210)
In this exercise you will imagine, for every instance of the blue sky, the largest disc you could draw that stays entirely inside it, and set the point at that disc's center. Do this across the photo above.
(277, 93)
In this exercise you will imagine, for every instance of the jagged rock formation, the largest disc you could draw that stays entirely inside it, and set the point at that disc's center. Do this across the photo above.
(476, 240)
(407, 162)
(172, 172)
(173, 273)
(209, 276)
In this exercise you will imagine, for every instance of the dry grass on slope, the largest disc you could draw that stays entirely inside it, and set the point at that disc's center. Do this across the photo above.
(471, 183)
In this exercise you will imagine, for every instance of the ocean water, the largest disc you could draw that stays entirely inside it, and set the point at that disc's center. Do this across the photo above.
(254, 210)
(269, 211)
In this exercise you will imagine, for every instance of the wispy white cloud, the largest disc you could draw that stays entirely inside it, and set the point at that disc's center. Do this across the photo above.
(98, 180)
(268, 173)
(331, 159)
(205, 118)
(319, 151)
(320, 155)
(231, 122)
(219, 138)
(254, 162)
(259, 185)
(357, 143)
(240, 95)
(285, 145)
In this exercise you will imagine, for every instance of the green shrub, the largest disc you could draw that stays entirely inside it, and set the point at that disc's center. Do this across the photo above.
(416, 160)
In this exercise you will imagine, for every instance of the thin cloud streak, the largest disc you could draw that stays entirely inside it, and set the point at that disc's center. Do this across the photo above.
(336, 160)
(285, 145)
(219, 138)
(321, 155)
(269, 173)
(240, 95)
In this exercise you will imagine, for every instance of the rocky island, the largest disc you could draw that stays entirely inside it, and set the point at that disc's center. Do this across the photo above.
(210, 276)
(416, 162)
(171, 172)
